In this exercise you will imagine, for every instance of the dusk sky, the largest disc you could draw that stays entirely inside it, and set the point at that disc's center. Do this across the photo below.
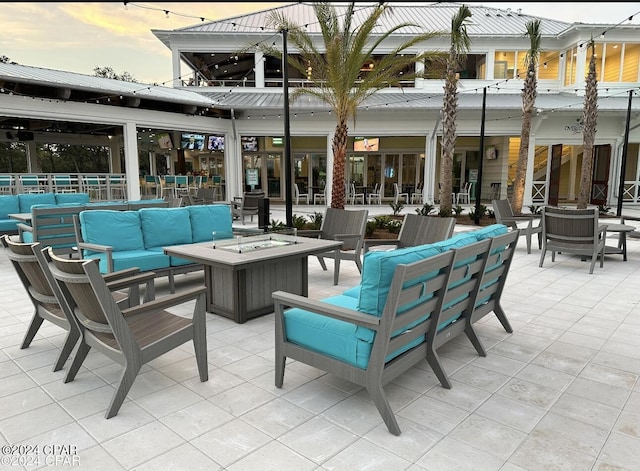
(77, 37)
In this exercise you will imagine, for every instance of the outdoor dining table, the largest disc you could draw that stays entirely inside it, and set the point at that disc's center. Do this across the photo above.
(622, 230)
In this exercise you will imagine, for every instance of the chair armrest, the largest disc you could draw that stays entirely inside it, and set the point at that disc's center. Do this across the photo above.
(107, 249)
(282, 298)
(116, 275)
(165, 301)
(346, 236)
(373, 242)
(22, 227)
(131, 280)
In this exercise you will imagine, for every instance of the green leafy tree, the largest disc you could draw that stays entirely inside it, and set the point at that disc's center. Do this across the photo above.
(460, 45)
(335, 72)
(529, 93)
(108, 72)
(590, 119)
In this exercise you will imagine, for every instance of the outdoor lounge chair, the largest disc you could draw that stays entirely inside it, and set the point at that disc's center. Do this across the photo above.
(417, 230)
(573, 231)
(526, 223)
(132, 337)
(347, 226)
(30, 264)
(247, 205)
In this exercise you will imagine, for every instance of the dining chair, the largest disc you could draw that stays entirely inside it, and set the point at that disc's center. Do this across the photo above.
(464, 196)
(95, 186)
(376, 196)
(397, 194)
(297, 195)
(117, 187)
(31, 184)
(416, 196)
(7, 184)
(168, 189)
(181, 186)
(133, 336)
(321, 196)
(355, 197)
(63, 184)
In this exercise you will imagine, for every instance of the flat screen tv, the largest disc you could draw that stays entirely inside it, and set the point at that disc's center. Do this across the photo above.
(249, 143)
(164, 141)
(192, 141)
(366, 144)
(216, 143)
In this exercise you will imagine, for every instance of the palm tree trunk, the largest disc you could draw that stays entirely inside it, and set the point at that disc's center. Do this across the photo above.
(339, 146)
(589, 132)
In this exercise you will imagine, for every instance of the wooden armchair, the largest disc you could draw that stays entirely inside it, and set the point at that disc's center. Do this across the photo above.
(132, 336)
(247, 205)
(30, 265)
(573, 231)
(504, 215)
(417, 230)
(347, 226)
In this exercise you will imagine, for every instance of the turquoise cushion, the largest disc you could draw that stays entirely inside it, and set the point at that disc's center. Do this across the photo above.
(208, 218)
(9, 204)
(173, 261)
(145, 260)
(353, 292)
(8, 225)
(490, 231)
(378, 270)
(118, 229)
(79, 198)
(165, 226)
(29, 199)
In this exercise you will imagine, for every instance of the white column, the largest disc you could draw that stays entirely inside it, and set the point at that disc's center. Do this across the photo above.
(131, 160)
(490, 63)
(258, 61)
(419, 82)
(175, 67)
(32, 157)
(527, 199)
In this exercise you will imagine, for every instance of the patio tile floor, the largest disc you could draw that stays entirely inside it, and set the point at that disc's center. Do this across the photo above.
(561, 392)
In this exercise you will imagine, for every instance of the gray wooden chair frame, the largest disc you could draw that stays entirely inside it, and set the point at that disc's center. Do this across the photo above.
(417, 230)
(131, 337)
(504, 215)
(31, 266)
(574, 231)
(247, 205)
(449, 284)
(345, 225)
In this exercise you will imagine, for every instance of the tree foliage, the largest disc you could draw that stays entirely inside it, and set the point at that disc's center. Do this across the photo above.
(108, 72)
(335, 70)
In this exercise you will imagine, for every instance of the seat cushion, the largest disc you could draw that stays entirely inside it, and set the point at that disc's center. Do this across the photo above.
(78, 198)
(146, 260)
(173, 260)
(205, 219)
(165, 226)
(378, 270)
(29, 199)
(118, 229)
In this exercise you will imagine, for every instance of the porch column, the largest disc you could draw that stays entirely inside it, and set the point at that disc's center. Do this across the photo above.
(132, 171)
(419, 82)
(175, 67)
(258, 66)
(32, 157)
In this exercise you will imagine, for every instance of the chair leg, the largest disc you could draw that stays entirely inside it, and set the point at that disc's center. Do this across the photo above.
(81, 354)
(36, 322)
(281, 361)
(502, 317)
(67, 348)
(336, 270)
(434, 363)
(322, 263)
(474, 339)
(126, 381)
(200, 338)
(544, 251)
(382, 404)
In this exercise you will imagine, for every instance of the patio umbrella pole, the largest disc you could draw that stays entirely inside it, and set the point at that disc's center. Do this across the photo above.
(287, 133)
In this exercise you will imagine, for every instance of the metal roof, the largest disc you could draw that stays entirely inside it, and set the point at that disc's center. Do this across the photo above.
(61, 79)
(269, 101)
(485, 21)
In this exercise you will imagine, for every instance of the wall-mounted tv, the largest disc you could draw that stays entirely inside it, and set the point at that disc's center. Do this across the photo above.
(192, 141)
(249, 143)
(366, 144)
(216, 143)
(164, 141)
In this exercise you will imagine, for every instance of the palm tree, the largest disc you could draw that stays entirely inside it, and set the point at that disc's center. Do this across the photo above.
(460, 45)
(528, 101)
(336, 73)
(590, 119)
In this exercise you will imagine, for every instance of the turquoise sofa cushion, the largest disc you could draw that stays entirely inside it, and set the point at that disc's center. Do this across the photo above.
(119, 229)
(490, 231)
(29, 199)
(9, 204)
(165, 226)
(8, 225)
(208, 218)
(78, 198)
(145, 260)
(173, 260)
(353, 292)
(378, 270)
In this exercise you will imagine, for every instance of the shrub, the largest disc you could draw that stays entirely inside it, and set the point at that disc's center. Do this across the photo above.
(457, 210)
(396, 207)
(482, 211)
(277, 225)
(298, 221)
(394, 226)
(371, 226)
(444, 213)
(382, 221)
(315, 221)
(426, 209)
(535, 209)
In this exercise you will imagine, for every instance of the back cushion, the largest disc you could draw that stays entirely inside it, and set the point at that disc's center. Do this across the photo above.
(9, 204)
(165, 226)
(78, 198)
(378, 270)
(119, 229)
(208, 218)
(29, 199)
(490, 231)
